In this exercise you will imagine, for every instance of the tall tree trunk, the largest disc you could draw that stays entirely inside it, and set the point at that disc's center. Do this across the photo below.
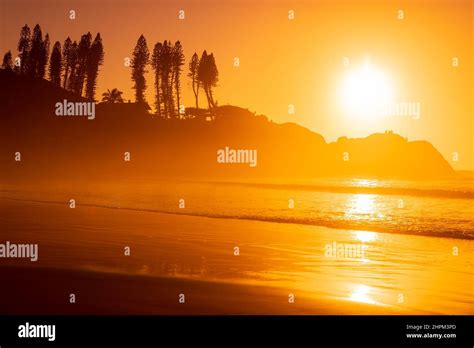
(196, 93)
(171, 99)
(164, 95)
(177, 98)
(211, 97)
(206, 89)
(72, 78)
(158, 100)
(66, 72)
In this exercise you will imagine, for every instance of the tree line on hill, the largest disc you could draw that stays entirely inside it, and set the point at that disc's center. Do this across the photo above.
(74, 66)
(167, 60)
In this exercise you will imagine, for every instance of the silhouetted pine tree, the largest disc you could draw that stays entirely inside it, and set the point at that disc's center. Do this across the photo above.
(177, 63)
(43, 57)
(201, 73)
(166, 79)
(72, 66)
(55, 65)
(95, 59)
(213, 77)
(208, 75)
(7, 63)
(36, 51)
(193, 75)
(24, 48)
(82, 57)
(156, 65)
(38, 55)
(167, 61)
(170, 93)
(140, 59)
(66, 61)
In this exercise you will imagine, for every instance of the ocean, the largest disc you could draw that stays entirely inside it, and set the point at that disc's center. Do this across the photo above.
(387, 245)
(430, 208)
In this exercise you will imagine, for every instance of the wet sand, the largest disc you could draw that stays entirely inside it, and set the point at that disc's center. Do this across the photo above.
(81, 251)
(46, 291)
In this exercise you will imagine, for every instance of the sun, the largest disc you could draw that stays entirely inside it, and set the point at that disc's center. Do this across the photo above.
(366, 93)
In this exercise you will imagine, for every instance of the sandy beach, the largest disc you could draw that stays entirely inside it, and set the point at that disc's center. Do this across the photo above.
(81, 251)
(118, 294)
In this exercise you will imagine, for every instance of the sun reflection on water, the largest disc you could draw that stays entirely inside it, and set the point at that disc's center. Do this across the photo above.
(364, 183)
(362, 207)
(361, 294)
(363, 204)
(365, 236)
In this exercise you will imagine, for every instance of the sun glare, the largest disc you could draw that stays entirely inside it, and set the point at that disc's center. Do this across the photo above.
(365, 236)
(361, 204)
(365, 93)
(361, 294)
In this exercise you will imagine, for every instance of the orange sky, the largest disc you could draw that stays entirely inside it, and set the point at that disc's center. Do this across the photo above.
(298, 61)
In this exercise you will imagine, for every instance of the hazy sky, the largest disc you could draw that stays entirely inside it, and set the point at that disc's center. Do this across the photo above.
(298, 62)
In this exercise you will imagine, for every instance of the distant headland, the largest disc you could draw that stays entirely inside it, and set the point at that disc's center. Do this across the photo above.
(124, 139)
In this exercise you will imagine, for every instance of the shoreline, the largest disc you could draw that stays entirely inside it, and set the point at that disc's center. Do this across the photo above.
(170, 252)
(253, 218)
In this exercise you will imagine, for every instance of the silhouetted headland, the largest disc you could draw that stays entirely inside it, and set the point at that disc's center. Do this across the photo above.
(79, 147)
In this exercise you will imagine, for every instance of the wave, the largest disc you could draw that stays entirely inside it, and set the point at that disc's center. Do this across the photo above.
(346, 224)
(379, 190)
